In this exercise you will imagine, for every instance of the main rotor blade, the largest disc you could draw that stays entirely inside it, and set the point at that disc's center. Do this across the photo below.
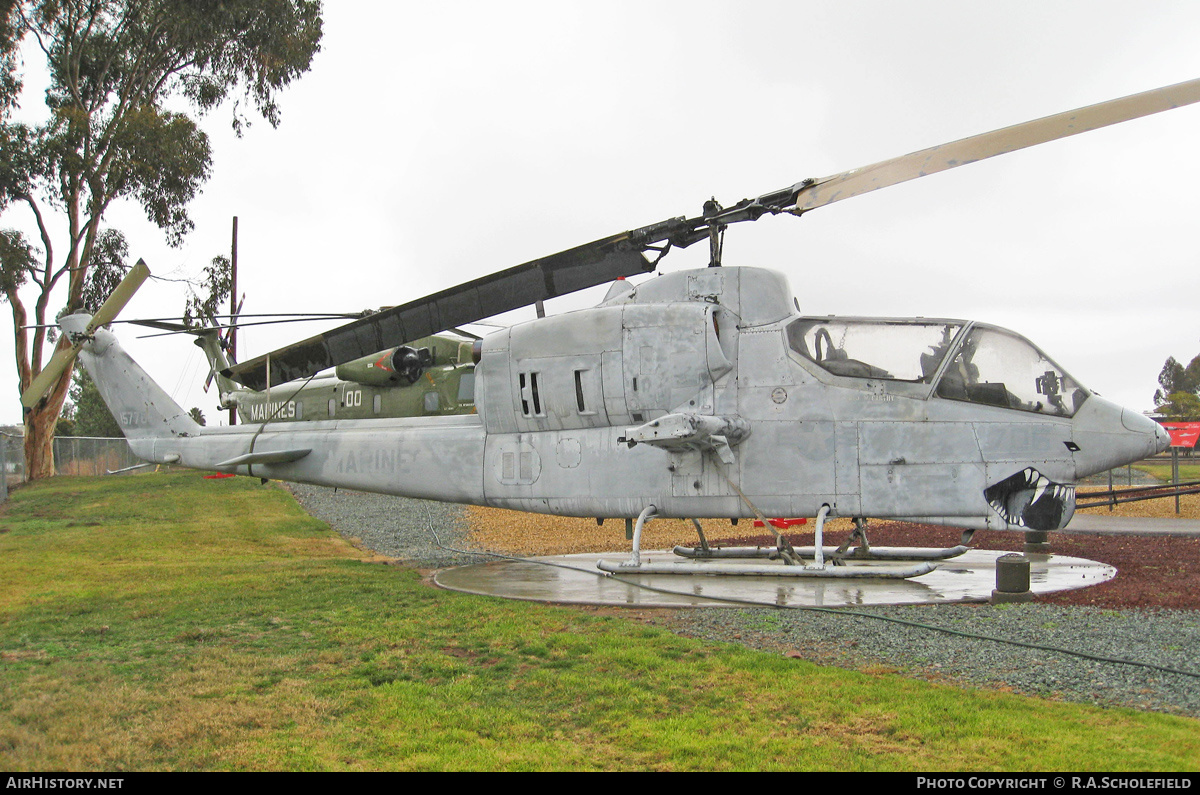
(318, 315)
(169, 328)
(585, 266)
(997, 142)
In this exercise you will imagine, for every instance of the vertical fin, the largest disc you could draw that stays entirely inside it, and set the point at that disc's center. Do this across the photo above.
(139, 405)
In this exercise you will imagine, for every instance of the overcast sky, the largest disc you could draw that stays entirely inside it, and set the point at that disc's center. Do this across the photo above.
(437, 142)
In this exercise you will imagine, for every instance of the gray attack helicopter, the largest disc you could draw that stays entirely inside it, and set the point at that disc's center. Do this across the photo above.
(699, 393)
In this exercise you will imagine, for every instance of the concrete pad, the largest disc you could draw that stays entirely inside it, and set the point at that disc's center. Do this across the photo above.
(574, 579)
(1107, 524)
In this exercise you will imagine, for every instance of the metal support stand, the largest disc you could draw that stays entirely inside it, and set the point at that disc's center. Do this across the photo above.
(700, 532)
(1012, 580)
(635, 560)
(1175, 475)
(818, 538)
(1037, 541)
(859, 533)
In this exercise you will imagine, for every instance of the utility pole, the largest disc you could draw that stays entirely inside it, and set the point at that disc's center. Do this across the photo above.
(233, 308)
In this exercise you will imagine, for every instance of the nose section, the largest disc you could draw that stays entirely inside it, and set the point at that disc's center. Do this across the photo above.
(1110, 436)
(1142, 424)
(1162, 439)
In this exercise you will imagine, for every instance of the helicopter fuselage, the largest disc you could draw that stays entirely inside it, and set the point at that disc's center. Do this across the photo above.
(705, 394)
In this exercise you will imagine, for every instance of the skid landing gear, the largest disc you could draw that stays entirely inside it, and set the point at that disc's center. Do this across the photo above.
(788, 561)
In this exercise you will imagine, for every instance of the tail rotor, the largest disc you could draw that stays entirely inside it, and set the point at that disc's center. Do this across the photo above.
(65, 357)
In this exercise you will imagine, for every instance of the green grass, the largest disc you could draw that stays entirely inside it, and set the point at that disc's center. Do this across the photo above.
(166, 622)
(1163, 471)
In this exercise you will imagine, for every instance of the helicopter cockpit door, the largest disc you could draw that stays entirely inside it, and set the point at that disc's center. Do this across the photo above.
(997, 368)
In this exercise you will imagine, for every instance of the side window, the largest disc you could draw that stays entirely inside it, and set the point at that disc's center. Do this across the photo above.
(896, 350)
(466, 387)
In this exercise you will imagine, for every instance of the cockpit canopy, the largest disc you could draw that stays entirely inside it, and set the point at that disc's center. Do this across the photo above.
(897, 350)
(971, 362)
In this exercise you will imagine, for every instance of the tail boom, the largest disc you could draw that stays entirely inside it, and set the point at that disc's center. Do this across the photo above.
(436, 458)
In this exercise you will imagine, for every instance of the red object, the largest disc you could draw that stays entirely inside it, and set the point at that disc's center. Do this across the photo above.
(781, 524)
(219, 475)
(1183, 434)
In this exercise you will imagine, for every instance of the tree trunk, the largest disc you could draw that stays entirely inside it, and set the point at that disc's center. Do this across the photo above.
(40, 423)
(39, 443)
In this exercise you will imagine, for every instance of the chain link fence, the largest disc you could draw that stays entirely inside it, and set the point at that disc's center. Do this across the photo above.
(73, 455)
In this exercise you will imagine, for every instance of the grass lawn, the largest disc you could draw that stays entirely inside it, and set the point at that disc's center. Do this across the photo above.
(1188, 470)
(168, 622)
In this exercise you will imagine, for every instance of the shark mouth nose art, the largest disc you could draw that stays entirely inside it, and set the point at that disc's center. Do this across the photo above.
(1030, 499)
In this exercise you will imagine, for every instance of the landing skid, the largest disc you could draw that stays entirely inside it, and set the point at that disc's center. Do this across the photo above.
(831, 553)
(770, 570)
(788, 561)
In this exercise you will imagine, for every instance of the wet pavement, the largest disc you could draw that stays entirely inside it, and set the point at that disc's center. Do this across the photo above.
(575, 579)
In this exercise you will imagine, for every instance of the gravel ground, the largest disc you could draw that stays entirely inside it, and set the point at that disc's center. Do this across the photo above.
(1170, 639)
(392, 526)
(1121, 628)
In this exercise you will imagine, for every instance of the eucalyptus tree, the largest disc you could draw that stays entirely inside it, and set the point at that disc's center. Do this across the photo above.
(1178, 395)
(128, 81)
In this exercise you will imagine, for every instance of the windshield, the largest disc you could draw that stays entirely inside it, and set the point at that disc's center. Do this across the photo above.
(998, 368)
(899, 350)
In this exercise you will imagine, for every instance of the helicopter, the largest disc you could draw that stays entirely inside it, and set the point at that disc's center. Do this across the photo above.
(701, 393)
(430, 376)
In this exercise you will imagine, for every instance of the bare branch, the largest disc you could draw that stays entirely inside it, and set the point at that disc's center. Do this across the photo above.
(22, 338)
(35, 30)
(45, 235)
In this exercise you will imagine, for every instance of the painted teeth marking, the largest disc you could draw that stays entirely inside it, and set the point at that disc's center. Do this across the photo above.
(1037, 486)
(1042, 485)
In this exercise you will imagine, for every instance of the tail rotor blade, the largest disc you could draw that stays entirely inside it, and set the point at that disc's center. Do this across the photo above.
(109, 310)
(49, 375)
(64, 357)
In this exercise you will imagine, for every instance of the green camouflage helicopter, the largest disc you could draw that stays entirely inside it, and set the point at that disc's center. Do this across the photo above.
(431, 376)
